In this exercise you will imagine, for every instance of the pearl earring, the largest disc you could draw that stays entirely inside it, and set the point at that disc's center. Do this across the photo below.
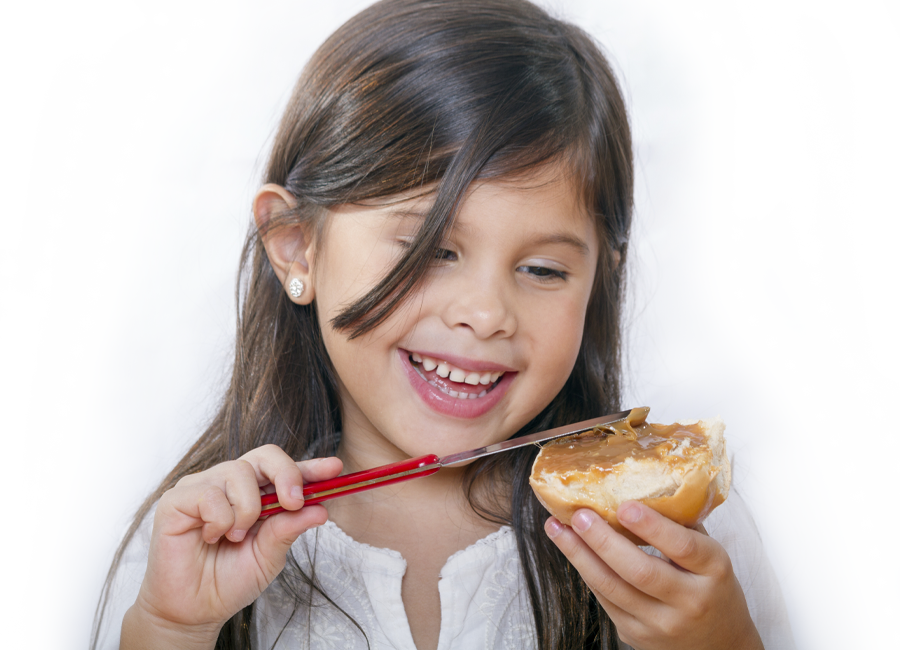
(296, 288)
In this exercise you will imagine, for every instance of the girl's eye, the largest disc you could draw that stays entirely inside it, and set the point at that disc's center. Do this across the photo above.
(444, 255)
(543, 273)
(440, 254)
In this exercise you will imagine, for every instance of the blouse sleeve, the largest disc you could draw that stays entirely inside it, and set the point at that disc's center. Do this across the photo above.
(125, 585)
(732, 525)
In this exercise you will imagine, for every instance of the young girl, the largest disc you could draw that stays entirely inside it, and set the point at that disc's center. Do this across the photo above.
(437, 266)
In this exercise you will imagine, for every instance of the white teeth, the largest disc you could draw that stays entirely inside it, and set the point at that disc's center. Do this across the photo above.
(445, 371)
(453, 393)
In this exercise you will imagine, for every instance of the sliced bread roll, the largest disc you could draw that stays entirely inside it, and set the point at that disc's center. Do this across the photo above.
(679, 470)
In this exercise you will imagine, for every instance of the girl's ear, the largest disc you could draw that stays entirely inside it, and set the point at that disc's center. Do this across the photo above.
(616, 258)
(290, 248)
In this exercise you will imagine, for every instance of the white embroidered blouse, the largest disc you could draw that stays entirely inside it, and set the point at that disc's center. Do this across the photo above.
(483, 600)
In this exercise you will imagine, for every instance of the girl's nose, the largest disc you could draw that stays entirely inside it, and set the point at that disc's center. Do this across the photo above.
(482, 305)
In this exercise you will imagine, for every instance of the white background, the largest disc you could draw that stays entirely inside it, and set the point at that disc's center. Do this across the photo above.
(763, 265)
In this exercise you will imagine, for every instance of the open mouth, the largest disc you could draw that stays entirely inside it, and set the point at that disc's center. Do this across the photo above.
(451, 380)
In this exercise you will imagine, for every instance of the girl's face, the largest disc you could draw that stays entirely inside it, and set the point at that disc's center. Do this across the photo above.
(488, 339)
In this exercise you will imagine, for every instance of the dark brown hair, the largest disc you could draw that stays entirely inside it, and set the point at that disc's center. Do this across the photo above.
(410, 93)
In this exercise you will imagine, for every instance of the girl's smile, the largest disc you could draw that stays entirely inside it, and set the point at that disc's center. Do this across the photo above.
(488, 339)
(452, 389)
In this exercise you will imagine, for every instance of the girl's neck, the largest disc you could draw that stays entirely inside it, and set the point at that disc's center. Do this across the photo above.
(403, 515)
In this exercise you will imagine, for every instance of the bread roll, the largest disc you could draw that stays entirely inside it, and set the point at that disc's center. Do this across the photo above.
(680, 470)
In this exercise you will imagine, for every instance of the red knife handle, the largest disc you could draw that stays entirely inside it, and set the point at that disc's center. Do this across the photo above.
(367, 479)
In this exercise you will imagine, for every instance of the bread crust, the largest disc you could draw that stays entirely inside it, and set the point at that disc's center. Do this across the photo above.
(685, 490)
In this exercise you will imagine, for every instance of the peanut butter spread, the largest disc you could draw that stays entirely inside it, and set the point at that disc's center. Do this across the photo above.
(605, 446)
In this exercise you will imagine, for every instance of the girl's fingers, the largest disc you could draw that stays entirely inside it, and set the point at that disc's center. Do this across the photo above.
(584, 550)
(225, 501)
(188, 507)
(215, 512)
(630, 629)
(226, 498)
(242, 491)
(276, 535)
(274, 466)
(320, 469)
(649, 575)
(689, 549)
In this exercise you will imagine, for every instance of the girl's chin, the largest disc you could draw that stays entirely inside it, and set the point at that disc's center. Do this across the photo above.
(440, 402)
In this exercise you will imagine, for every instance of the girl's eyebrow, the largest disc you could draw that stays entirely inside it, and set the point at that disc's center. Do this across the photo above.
(564, 238)
(408, 214)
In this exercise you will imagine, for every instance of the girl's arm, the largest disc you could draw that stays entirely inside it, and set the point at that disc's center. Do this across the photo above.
(209, 557)
(693, 601)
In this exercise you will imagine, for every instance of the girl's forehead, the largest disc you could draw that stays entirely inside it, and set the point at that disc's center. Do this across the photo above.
(548, 179)
(545, 205)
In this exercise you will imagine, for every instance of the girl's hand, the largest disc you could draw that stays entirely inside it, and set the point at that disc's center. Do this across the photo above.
(692, 601)
(209, 557)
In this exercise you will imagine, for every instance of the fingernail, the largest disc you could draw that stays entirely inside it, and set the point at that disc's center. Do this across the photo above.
(214, 541)
(297, 492)
(629, 513)
(553, 528)
(581, 521)
(238, 535)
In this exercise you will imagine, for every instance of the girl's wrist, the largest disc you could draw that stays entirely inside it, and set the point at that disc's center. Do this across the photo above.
(142, 630)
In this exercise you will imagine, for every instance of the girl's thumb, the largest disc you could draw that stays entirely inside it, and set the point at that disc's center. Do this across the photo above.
(279, 532)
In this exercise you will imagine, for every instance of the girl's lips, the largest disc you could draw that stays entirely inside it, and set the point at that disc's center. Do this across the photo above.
(433, 392)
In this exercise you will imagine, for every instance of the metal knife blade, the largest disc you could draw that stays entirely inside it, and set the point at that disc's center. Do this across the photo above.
(635, 416)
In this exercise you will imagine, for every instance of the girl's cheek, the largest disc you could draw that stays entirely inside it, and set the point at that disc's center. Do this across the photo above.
(557, 340)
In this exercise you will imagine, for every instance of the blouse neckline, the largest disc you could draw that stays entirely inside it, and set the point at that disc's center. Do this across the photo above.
(379, 558)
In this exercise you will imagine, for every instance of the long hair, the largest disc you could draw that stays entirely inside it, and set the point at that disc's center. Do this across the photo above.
(406, 94)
